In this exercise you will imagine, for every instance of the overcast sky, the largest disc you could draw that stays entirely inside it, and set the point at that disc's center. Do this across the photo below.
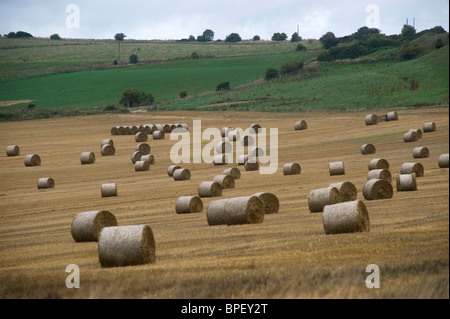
(177, 19)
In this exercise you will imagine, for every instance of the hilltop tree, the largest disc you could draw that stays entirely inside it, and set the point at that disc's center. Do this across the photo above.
(295, 37)
(256, 38)
(329, 40)
(233, 37)
(277, 36)
(408, 32)
(208, 35)
(119, 37)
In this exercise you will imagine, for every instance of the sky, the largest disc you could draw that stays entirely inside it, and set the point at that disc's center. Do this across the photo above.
(178, 19)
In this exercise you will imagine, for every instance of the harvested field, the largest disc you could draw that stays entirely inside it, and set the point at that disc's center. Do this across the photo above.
(288, 255)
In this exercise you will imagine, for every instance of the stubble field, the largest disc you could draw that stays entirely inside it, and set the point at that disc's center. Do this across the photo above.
(287, 256)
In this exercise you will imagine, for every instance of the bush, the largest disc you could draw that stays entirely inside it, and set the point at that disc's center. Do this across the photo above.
(194, 55)
(182, 94)
(256, 38)
(439, 44)
(115, 62)
(19, 34)
(224, 86)
(133, 59)
(300, 47)
(277, 36)
(234, 37)
(291, 67)
(409, 52)
(271, 74)
(132, 97)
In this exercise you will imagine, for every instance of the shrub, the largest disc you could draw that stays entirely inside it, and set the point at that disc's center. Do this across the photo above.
(409, 52)
(300, 47)
(115, 62)
(291, 67)
(131, 97)
(55, 37)
(233, 37)
(182, 94)
(194, 55)
(439, 44)
(256, 38)
(133, 59)
(271, 74)
(224, 86)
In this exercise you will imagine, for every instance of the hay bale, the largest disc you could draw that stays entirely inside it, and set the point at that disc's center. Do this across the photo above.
(291, 169)
(185, 126)
(171, 169)
(378, 163)
(257, 151)
(382, 118)
(126, 246)
(300, 125)
(87, 158)
(421, 152)
(233, 171)
(348, 217)
(319, 198)
(107, 141)
(247, 140)
(188, 204)
(367, 149)
(144, 148)
(336, 168)
(251, 166)
(86, 226)
(235, 211)
(270, 202)
(443, 161)
(224, 147)
(225, 181)
(45, 182)
(347, 190)
(409, 168)
(140, 166)
(392, 116)
(149, 128)
(225, 130)
(148, 158)
(377, 189)
(12, 150)
(159, 127)
(136, 156)
(114, 130)
(233, 136)
(242, 159)
(371, 119)
(410, 136)
(209, 189)
(32, 160)
(167, 128)
(429, 127)
(418, 132)
(108, 150)
(127, 130)
(255, 128)
(134, 129)
(181, 174)
(141, 137)
(109, 190)
(379, 174)
(406, 182)
(220, 159)
(158, 135)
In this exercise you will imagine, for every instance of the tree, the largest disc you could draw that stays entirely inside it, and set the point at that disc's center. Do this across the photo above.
(279, 36)
(234, 37)
(271, 74)
(224, 86)
(19, 34)
(133, 59)
(119, 37)
(439, 44)
(329, 40)
(191, 38)
(208, 35)
(291, 67)
(256, 38)
(295, 37)
(408, 32)
(55, 37)
(300, 47)
(132, 96)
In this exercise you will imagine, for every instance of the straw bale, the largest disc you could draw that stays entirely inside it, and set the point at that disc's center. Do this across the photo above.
(406, 182)
(136, 156)
(336, 168)
(225, 181)
(347, 190)
(32, 160)
(209, 189)
(300, 125)
(380, 174)
(12, 150)
(109, 189)
(233, 171)
(371, 119)
(45, 182)
(140, 166)
(144, 148)
(421, 152)
(86, 226)
(408, 168)
(378, 163)
(189, 204)
(270, 202)
(443, 161)
(429, 127)
(235, 211)
(181, 174)
(108, 150)
(319, 198)
(347, 217)
(292, 169)
(377, 189)
(171, 169)
(368, 149)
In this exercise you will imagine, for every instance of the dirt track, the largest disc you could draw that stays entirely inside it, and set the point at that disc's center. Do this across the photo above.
(287, 256)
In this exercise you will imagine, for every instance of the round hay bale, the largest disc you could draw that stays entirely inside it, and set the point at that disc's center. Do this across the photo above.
(410, 136)
(126, 246)
(418, 132)
(255, 128)
(167, 128)
(158, 135)
(149, 128)
(45, 182)
(225, 181)
(270, 202)
(185, 126)
(347, 190)
(257, 151)
(233, 136)
(380, 174)
(32, 160)
(347, 217)
(107, 141)
(382, 118)
(140, 166)
(429, 127)
(188, 204)
(378, 163)
(225, 130)
(233, 171)
(127, 130)
(242, 159)
(247, 140)
(171, 169)
(86, 226)
(109, 189)
(409, 168)
(336, 168)
(220, 159)
(367, 149)
(406, 182)
(87, 158)
(148, 158)
(12, 150)
(181, 174)
(224, 147)
(421, 152)
(209, 189)
(319, 198)
(443, 161)
(136, 156)
(144, 148)
(108, 150)
(115, 130)
(291, 169)
(392, 116)
(371, 119)
(251, 166)
(235, 211)
(377, 189)
(134, 129)
(300, 125)
(141, 137)
(159, 127)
